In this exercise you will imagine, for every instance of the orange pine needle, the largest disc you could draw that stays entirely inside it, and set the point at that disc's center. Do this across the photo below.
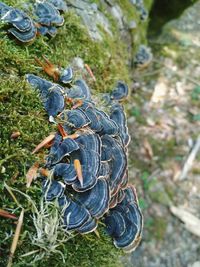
(62, 131)
(68, 100)
(6, 214)
(79, 103)
(72, 136)
(78, 168)
(44, 172)
(47, 140)
(49, 68)
(48, 62)
(32, 174)
(90, 72)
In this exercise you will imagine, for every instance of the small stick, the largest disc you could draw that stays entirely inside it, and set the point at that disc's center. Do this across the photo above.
(188, 164)
(16, 238)
(15, 135)
(90, 72)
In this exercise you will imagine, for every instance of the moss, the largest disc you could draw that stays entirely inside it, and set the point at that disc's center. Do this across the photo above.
(21, 110)
(160, 196)
(157, 227)
(169, 150)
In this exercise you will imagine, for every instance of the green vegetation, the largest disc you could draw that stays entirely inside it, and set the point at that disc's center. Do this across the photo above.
(156, 227)
(21, 110)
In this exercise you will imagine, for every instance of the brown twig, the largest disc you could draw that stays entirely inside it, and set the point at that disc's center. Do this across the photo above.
(16, 238)
(8, 215)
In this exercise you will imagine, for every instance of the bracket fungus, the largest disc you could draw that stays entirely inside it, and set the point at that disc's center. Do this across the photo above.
(61, 150)
(118, 115)
(143, 57)
(96, 200)
(52, 189)
(86, 166)
(44, 18)
(124, 222)
(120, 91)
(75, 118)
(23, 27)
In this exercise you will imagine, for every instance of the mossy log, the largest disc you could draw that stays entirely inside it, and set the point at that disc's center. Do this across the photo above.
(22, 111)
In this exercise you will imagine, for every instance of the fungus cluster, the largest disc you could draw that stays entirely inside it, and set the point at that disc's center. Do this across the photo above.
(85, 170)
(143, 56)
(141, 9)
(46, 18)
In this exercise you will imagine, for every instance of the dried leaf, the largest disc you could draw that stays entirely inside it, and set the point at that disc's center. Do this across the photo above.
(32, 174)
(15, 135)
(148, 149)
(191, 222)
(160, 92)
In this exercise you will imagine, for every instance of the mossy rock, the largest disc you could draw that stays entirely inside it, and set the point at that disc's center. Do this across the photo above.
(21, 110)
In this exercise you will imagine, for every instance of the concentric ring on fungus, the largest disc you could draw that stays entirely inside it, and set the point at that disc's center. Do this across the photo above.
(86, 168)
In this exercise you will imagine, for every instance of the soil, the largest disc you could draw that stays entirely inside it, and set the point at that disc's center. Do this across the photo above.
(164, 122)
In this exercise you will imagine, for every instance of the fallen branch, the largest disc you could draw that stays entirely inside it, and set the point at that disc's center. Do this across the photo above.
(191, 222)
(16, 238)
(189, 162)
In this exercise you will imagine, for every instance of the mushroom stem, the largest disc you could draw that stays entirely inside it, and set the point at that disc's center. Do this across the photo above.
(47, 140)
(78, 168)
